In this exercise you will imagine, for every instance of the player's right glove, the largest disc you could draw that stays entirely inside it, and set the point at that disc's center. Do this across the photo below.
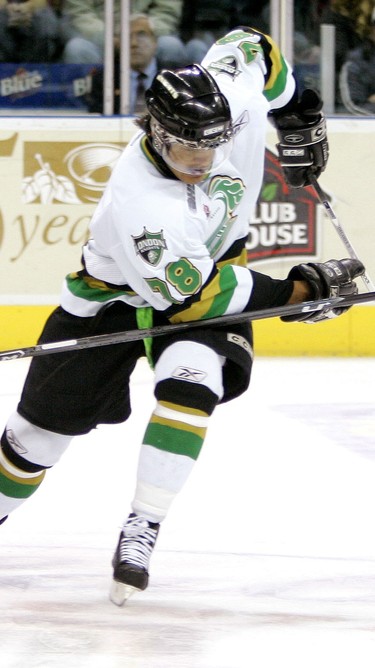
(303, 144)
(334, 278)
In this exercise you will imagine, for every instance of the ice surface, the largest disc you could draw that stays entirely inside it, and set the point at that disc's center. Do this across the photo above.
(266, 560)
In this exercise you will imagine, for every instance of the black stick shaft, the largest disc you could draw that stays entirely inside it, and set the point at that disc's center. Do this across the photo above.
(138, 334)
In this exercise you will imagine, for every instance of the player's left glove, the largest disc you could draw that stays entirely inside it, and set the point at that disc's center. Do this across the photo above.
(334, 278)
(303, 144)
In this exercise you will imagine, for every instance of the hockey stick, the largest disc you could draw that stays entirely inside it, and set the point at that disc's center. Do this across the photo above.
(139, 334)
(340, 230)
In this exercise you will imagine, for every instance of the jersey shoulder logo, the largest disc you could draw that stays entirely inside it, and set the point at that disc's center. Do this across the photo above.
(150, 246)
(227, 65)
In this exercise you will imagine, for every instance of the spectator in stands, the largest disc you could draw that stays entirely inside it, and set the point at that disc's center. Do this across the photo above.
(305, 52)
(57, 6)
(357, 78)
(306, 24)
(29, 32)
(87, 23)
(254, 14)
(351, 19)
(204, 21)
(143, 63)
(307, 15)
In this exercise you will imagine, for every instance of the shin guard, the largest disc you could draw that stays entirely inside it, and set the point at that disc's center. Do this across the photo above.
(188, 387)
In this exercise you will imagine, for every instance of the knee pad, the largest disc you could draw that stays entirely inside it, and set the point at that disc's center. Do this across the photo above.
(26, 451)
(31, 448)
(190, 374)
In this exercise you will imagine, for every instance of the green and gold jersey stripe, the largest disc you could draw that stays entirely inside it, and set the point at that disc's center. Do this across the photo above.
(214, 297)
(91, 289)
(277, 69)
(276, 66)
(239, 261)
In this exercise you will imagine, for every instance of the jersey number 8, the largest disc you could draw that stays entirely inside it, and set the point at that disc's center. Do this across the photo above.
(182, 275)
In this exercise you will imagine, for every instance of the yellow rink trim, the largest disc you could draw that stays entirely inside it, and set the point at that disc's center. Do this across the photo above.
(352, 334)
(20, 326)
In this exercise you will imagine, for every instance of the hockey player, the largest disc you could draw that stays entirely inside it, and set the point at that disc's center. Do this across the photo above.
(168, 245)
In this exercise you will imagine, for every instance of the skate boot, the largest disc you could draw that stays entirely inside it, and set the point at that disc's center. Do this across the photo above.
(131, 559)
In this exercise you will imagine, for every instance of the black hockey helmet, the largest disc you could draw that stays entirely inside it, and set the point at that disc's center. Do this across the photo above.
(187, 107)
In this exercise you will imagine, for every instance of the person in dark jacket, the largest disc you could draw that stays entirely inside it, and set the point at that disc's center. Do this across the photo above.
(143, 63)
(204, 21)
(29, 32)
(351, 19)
(357, 78)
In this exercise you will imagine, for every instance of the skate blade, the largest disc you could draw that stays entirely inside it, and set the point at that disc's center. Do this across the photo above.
(120, 592)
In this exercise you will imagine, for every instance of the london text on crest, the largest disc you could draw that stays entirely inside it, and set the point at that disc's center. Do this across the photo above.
(150, 246)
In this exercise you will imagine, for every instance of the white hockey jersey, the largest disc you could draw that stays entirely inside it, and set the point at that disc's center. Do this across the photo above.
(179, 248)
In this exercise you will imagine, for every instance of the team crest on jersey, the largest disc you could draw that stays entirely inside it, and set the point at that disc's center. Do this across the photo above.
(227, 65)
(150, 246)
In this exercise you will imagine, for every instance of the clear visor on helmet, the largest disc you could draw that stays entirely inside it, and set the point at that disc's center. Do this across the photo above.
(193, 158)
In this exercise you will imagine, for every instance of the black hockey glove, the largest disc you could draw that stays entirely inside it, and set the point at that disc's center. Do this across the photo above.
(334, 278)
(303, 144)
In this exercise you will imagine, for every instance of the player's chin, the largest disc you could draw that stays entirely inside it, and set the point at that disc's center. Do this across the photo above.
(191, 179)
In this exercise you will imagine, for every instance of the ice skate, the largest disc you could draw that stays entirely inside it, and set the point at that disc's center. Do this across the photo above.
(131, 559)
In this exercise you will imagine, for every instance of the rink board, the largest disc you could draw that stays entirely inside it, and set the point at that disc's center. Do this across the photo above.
(54, 171)
(353, 334)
